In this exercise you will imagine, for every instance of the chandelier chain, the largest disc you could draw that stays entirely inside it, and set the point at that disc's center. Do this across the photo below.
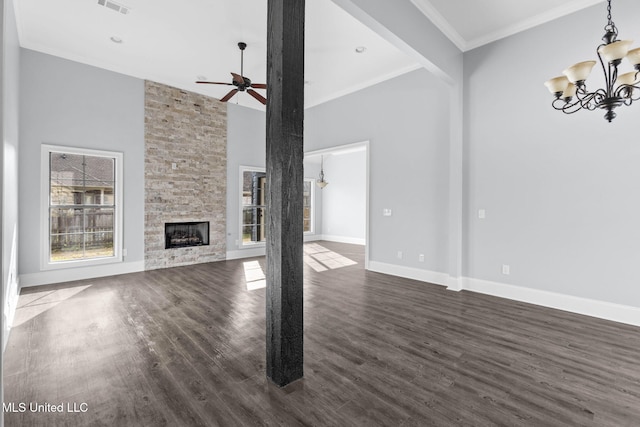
(611, 26)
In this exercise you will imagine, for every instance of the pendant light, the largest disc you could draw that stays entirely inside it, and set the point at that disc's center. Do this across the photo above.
(322, 183)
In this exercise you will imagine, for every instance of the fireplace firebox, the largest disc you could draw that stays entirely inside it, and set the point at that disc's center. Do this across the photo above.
(184, 234)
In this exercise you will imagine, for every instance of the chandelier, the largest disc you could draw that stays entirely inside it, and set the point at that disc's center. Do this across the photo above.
(570, 89)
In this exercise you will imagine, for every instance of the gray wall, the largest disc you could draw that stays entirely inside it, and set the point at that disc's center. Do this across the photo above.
(406, 120)
(560, 192)
(246, 139)
(344, 200)
(10, 152)
(67, 103)
(403, 25)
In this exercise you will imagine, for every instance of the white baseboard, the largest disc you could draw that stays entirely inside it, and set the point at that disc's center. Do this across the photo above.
(410, 273)
(455, 284)
(246, 253)
(261, 250)
(343, 239)
(79, 273)
(589, 307)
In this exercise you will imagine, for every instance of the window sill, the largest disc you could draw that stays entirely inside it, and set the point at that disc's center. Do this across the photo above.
(80, 263)
(252, 245)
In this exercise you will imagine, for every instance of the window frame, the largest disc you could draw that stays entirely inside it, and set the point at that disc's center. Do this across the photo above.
(45, 194)
(242, 243)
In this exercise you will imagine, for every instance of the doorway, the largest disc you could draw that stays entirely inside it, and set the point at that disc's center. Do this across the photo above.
(343, 214)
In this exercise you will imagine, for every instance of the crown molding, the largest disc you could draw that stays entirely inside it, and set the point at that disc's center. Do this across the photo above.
(439, 21)
(443, 25)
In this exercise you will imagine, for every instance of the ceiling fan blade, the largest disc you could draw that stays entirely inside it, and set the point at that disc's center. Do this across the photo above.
(259, 85)
(237, 78)
(257, 96)
(229, 95)
(214, 83)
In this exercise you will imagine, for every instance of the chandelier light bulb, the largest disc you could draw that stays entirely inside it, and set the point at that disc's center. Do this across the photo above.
(557, 84)
(630, 78)
(615, 51)
(570, 91)
(579, 72)
(634, 56)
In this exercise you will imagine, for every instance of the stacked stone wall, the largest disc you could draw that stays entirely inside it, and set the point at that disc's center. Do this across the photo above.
(185, 172)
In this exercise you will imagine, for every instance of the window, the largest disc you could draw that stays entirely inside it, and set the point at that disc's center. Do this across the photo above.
(253, 216)
(253, 206)
(82, 209)
(307, 202)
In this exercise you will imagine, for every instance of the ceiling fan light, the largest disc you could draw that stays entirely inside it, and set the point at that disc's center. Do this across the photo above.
(634, 56)
(579, 71)
(615, 51)
(557, 85)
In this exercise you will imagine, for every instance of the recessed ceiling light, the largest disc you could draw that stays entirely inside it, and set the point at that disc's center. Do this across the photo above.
(201, 78)
(116, 39)
(360, 49)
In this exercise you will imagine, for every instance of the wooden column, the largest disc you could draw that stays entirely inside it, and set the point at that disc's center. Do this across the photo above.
(285, 113)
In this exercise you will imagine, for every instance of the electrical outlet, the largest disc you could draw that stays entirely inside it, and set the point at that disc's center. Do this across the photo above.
(124, 252)
(399, 254)
(506, 269)
(482, 214)
(386, 212)
(174, 166)
(421, 257)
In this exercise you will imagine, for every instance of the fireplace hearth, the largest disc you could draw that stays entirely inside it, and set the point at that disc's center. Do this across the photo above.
(185, 234)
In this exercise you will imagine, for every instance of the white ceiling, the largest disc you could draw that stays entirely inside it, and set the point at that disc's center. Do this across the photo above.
(473, 23)
(178, 42)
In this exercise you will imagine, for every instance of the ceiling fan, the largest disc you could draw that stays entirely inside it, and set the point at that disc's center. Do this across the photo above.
(242, 83)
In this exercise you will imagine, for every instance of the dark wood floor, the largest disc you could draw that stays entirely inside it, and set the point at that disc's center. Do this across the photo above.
(186, 347)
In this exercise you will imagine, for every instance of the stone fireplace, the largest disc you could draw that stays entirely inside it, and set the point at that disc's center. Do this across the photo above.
(185, 177)
(185, 234)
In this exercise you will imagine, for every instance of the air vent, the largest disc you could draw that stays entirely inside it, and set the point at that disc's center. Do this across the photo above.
(117, 7)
